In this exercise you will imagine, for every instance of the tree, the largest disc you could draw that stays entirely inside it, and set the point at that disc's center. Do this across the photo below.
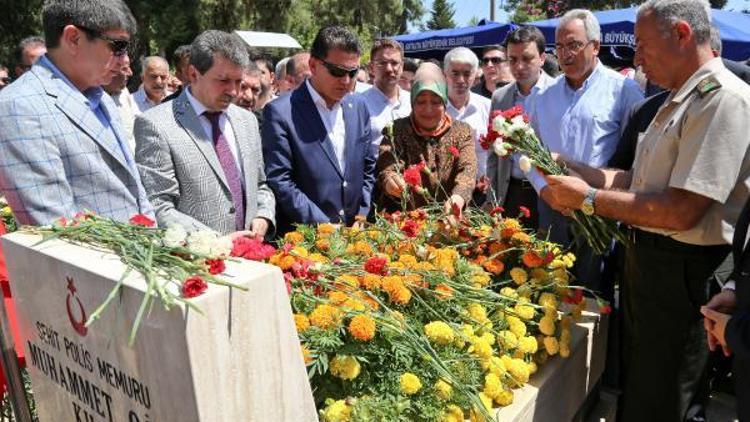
(442, 15)
(18, 20)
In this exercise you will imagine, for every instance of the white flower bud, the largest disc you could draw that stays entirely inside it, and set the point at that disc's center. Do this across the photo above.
(500, 149)
(174, 236)
(524, 163)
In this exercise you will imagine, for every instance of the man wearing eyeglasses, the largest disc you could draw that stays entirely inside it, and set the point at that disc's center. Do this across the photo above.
(495, 71)
(579, 116)
(62, 145)
(320, 161)
(4, 78)
(385, 100)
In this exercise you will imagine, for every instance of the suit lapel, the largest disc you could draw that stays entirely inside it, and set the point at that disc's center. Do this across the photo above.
(73, 104)
(350, 123)
(317, 127)
(190, 122)
(243, 136)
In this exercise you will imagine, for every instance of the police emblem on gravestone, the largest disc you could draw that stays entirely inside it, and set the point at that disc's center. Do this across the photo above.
(72, 302)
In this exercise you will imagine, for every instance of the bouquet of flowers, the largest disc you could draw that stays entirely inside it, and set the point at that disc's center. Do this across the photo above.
(418, 318)
(509, 132)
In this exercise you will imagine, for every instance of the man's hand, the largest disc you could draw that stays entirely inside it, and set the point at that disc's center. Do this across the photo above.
(394, 186)
(724, 302)
(241, 233)
(716, 324)
(564, 193)
(483, 183)
(259, 227)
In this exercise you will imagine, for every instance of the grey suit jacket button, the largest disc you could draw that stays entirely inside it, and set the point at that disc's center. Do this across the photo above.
(341, 213)
(232, 210)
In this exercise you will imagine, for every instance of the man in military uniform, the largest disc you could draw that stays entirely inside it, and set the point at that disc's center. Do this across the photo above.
(682, 199)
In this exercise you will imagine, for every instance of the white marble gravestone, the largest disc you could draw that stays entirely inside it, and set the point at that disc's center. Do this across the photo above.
(239, 360)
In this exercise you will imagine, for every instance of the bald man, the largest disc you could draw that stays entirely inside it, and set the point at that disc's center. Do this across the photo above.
(155, 75)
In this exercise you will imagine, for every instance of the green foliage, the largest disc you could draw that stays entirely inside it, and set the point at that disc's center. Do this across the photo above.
(18, 20)
(441, 15)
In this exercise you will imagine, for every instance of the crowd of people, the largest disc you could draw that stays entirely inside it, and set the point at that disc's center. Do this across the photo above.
(230, 142)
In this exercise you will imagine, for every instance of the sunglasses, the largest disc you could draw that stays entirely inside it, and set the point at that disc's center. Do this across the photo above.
(339, 72)
(6, 80)
(493, 60)
(118, 46)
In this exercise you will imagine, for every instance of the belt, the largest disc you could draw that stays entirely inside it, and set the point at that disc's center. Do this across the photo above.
(642, 238)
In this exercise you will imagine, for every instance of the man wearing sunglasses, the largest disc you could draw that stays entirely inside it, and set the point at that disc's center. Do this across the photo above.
(495, 71)
(62, 145)
(316, 141)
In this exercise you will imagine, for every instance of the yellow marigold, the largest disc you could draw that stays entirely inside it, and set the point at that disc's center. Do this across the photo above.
(408, 260)
(392, 284)
(528, 344)
(443, 390)
(480, 279)
(548, 300)
(547, 325)
(294, 237)
(286, 262)
(561, 276)
(444, 258)
(511, 223)
(532, 367)
(507, 339)
(505, 398)
(439, 332)
(424, 266)
(509, 292)
(519, 371)
(477, 312)
(354, 305)
(516, 326)
(551, 345)
(475, 415)
(521, 237)
(410, 383)
(325, 316)
(443, 291)
(337, 411)
(323, 244)
(525, 291)
(347, 280)
(481, 348)
(306, 355)
(539, 274)
(326, 229)
(412, 279)
(301, 322)
(453, 413)
(337, 297)
(492, 385)
(526, 312)
(300, 252)
(362, 247)
(519, 275)
(488, 337)
(564, 350)
(362, 327)
(316, 257)
(494, 365)
(345, 367)
(370, 281)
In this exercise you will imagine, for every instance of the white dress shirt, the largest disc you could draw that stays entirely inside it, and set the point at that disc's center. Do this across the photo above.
(224, 125)
(383, 111)
(333, 119)
(476, 113)
(142, 100)
(128, 110)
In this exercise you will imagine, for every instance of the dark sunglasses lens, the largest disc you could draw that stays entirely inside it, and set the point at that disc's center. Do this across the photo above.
(493, 60)
(338, 72)
(120, 47)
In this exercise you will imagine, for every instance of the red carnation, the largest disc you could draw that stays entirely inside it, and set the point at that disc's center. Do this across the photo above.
(253, 249)
(512, 112)
(605, 309)
(141, 220)
(497, 210)
(216, 266)
(453, 150)
(193, 286)
(575, 298)
(413, 175)
(525, 211)
(410, 228)
(376, 265)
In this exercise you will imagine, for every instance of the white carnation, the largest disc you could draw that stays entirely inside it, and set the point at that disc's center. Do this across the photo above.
(524, 163)
(500, 149)
(174, 236)
(222, 247)
(202, 242)
(500, 126)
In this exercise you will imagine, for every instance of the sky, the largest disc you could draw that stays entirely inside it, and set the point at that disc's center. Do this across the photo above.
(466, 9)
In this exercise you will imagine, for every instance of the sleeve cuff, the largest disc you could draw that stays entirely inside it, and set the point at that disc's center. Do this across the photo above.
(537, 180)
(729, 285)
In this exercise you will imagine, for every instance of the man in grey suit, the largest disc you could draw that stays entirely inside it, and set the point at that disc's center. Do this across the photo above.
(509, 187)
(62, 145)
(199, 155)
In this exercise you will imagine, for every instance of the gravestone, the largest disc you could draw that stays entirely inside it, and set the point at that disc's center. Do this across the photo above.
(237, 360)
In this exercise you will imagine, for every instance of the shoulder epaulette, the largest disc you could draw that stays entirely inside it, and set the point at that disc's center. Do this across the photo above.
(708, 84)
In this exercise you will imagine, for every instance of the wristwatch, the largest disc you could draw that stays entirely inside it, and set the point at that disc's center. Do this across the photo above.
(587, 206)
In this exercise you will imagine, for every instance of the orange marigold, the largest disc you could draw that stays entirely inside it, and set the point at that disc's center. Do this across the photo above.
(401, 296)
(494, 266)
(521, 237)
(325, 229)
(286, 262)
(532, 260)
(370, 281)
(301, 322)
(392, 283)
(323, 244)
(337, 297)
(294, 237)
(362, 327)
(325, 316)
(443, 291)
(306, 355)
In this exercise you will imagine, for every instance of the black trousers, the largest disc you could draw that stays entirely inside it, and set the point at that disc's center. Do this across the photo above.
(522, 193)
(664, 343)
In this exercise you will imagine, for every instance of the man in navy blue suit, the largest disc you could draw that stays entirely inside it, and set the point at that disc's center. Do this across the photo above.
(316, 140)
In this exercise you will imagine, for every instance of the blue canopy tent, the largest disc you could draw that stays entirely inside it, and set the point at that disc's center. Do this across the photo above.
(434, 44)
(618, 30)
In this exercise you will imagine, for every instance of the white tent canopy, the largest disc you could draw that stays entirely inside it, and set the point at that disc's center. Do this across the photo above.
(268, 39)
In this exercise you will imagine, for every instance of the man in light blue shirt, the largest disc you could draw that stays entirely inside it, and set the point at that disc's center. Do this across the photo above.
(579, 116)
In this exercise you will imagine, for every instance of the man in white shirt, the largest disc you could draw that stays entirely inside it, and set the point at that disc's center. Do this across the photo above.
(460, 67)
(124, 101)
(386, 101)
(155, 76)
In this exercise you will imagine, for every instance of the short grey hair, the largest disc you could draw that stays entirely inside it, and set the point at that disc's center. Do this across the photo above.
(716, 40)
(697, 13)
(461, 55)
(212, 42)
(590, 23)
(147, 61)
(280, 70)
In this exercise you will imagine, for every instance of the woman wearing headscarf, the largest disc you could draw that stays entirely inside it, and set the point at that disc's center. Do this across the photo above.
(428, 137)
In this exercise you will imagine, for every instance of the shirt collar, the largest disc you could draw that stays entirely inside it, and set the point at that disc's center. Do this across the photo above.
(198, 107)
(470, 104)
(317, 99)
(591, 79)
(711, 67)
(93, 95)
